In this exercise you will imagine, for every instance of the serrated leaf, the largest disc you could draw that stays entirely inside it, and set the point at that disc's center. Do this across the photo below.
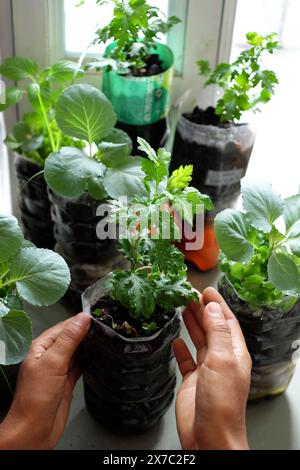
(232, 233)
(84, 112)
(12, 97)
(11, 237)
(291, 213)
(69, 171)
(166, 257)
(180, 178)
(284, 274)
(262, 204)
(172, 293)
(16, 334)
(18, 68)
(126, 179)
(135, 292)
(41, 276)
(147, 149)
(114, 148)
(190, 202)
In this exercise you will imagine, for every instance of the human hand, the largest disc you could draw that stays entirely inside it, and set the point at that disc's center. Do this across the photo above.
(43, 395)
(211, 402)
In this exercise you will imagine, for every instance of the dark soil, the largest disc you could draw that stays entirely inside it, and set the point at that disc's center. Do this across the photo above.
(116, 316)
(153, 67)
(205, 117)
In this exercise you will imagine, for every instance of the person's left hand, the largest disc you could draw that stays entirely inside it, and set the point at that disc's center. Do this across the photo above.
(43, 395)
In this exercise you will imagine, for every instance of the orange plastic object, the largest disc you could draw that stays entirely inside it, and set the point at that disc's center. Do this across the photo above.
(208, 256)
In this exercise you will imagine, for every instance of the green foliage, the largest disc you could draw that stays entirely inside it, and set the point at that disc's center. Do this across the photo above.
(84, 112)
(134, 28)
(245, 83)
(37, 134)
(38, 276)
(157, 278)
(261, 261)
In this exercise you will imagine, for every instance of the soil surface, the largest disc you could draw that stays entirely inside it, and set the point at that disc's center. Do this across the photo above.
(153, 67)
(116, 316)
(206, 117)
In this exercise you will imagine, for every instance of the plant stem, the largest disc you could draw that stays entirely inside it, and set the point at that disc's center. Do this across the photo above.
(53, 146)
(7, 381)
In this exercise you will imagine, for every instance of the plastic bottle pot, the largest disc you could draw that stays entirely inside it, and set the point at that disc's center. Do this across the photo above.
(220, 156)
(34, 203)
(141, 101)
(128, 382)
(272, 337)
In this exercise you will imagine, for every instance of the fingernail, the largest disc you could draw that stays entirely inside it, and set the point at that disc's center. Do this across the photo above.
(214, 310)
(82, 320)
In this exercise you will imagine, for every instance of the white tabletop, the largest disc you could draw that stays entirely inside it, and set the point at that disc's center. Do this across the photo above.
(273, 424)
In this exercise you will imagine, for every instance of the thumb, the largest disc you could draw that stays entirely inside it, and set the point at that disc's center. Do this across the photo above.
(217, 330)
(69, 339)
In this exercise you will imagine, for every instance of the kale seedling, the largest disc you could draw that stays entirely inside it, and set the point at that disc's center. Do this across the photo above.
(156, 281)
(37, 134)
(37, 276)
(245, 82)
(107, 169)
(260, 260)
(134, 28)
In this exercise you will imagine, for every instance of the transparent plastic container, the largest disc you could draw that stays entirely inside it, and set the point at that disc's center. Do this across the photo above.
(128, 382)
(272, 337)
(220, 156)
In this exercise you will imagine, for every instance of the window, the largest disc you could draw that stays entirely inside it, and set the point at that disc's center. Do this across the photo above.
(89, 17)
(275, 156)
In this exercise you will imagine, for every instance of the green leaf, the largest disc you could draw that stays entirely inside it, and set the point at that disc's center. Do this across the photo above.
(69, 171)
(11, 142)
(145, 147)
(172, 293)
(283, 273)
(166, 257)
(190, 202)
(135, 292)
(262, 204)
(18, 68)
(126, 179)
(16, 334)
(96, 189)
(293, 238)
(41, 276)
(114, 148)
(232, 233)
(204, 67)
(84, 112)
(46, 95)
(291, 213)
(26, 138)
(180, 178)
(64, 70)
(12, 97)
(11, 237)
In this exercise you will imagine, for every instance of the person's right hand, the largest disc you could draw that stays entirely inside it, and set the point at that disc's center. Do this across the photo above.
(211, 402)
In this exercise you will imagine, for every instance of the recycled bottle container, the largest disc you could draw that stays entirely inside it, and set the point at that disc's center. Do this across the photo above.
(34, 204)
(128, 382)
(220, 156)
(273, 339)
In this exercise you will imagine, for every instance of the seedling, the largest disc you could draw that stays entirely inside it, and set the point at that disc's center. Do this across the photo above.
(246, 84)
(259, 257)
(37, 134)
(156, 282)
(134, 29)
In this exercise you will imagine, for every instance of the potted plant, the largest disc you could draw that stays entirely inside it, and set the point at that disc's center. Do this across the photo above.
(261, 282)
(35, 136)
(37, 276)
(80, 180)
(127, 358)
(138, 70)
(214, 140)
